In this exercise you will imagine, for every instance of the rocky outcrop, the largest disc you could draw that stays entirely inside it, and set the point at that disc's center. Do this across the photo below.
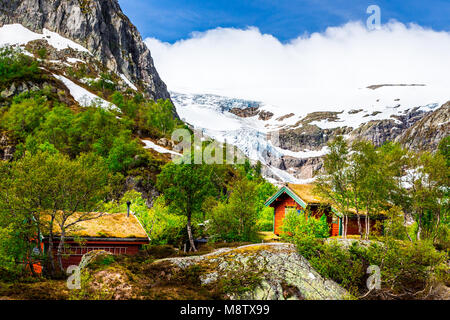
(309, 137)
(7, 147)
(144, 186)
(245, 112)
(426, 133)
(415, 129)
(281, 273)
(380, 131)
(251, 112)
(98, 25)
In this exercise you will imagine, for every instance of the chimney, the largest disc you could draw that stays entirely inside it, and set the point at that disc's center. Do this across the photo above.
(128, 208)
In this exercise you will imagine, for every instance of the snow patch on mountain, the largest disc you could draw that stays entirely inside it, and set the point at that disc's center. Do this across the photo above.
(151, 145)
(128, 82)
(211, 115)
(84, 97)
(17, 34)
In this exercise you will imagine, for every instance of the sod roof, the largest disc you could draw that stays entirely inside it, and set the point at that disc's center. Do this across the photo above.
(306, 193)
(108, 225)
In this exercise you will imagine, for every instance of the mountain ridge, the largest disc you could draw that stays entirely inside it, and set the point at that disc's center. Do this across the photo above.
(100, 26)
(294, 154)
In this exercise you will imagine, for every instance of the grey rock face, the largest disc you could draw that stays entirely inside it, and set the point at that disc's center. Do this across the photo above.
(283, 273)
(98, 25)
(380, 131)
(7, 148)
(426, 133)
(416, 130)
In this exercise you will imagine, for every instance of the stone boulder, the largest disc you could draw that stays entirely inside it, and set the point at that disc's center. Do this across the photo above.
(281, 273)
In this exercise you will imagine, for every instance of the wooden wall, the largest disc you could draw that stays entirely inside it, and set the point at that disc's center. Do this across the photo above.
(74, 252)
(285, 200)
(280, 210)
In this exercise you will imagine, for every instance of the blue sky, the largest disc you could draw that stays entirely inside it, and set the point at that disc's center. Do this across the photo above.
(172, 20)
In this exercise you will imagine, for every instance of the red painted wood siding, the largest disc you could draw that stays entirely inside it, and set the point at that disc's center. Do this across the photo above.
(352, 228)
(285, 200)
(335, 229)
(280, 210)
(75, 259)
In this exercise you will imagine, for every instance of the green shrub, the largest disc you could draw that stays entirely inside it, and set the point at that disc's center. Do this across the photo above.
(297, 224)
(236, 220)
(24, 117)
(162, 226)
(14, 65)
(265, 219)
(406, 268)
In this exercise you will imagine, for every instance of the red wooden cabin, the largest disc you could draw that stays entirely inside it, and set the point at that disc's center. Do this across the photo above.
(118, 233)
(302, 198)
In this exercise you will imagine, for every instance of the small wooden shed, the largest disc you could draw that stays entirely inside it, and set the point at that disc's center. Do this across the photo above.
(302, 198)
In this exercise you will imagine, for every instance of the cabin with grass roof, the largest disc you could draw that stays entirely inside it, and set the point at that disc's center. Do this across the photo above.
(117, 233)
(303, 199)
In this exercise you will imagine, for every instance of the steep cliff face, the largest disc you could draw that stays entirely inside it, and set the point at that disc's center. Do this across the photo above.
(426, 133)
(98, 25)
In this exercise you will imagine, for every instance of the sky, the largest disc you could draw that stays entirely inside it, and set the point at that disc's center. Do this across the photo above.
(303, 55)
(172, 20)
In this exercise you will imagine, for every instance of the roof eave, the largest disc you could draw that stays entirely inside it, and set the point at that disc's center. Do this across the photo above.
(291, 193)
(109, 239)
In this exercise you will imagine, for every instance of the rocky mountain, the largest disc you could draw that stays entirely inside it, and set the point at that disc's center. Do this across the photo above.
(84, 46)
(97, 25)
(291, 145)
(426, 133)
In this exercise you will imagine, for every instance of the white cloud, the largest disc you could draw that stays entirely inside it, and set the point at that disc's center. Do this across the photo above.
(321, 71)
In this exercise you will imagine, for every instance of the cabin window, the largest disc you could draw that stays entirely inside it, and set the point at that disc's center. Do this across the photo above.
(334, 219)
(80, 251)
(287, 208)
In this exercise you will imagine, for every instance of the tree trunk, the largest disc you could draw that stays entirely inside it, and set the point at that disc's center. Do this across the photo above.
(50, 248)
(367, 226)
(60, 249)
(438, 222)
(419, 226)
(359, 219)
(345, 226)
(189, 230)
(359, 224)
(30, 264)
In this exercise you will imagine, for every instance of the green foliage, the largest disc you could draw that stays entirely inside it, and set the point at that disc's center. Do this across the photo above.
(394, 225)
(265, 219)
(406, 268)
(236, 220)
(161, 224)
(298, 224)
(185, 187)
(444, 149)
(121, 155)
(50, 183)
(151, 118)
(168, 228)
(373, 180)
(14, 65)
(24, 117)
(40, 127)
(332, 261)
(104, 84)
(264, 190)
(160, 115)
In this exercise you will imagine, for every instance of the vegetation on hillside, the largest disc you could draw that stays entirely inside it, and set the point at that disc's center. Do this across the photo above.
(73, 159)
(412, 258)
